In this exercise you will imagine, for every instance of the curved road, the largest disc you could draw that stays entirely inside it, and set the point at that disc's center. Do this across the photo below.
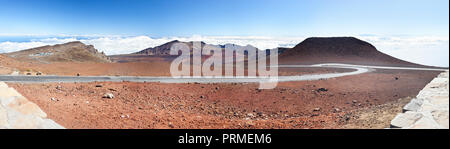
(359, 69)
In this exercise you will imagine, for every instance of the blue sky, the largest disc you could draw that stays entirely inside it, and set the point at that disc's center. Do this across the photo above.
(412, 30)
(160, 18)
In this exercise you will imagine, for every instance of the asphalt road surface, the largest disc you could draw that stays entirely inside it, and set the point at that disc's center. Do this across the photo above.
(359, 69)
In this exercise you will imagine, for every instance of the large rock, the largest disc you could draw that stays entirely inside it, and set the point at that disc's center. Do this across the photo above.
(18, 120)
(441, 117)
(405, 119)
(17, 112)
(22, 105)
(6, 92)
(414, 105)
(426, 122)
(3, 85)
(3, 117)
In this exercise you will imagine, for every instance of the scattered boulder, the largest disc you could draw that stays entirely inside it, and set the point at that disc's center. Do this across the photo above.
(336, 110)
(347, 117)
(315, 114)
(171, 125)
(98, 85)
(322, 90)
(108, 95)
(249, 123)
(316, 109)
(260, 114)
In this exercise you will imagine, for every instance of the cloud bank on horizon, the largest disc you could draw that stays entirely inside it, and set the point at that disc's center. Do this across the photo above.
(427, 50)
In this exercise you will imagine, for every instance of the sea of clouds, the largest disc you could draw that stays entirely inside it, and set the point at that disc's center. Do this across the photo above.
(428, 50)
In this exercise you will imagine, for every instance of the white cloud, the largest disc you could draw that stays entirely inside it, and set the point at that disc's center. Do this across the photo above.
(428, 50)
(260, 42)
(122, 45)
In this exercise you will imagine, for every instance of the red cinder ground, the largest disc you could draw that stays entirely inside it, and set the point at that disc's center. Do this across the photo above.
(349, 102)
(123, 66)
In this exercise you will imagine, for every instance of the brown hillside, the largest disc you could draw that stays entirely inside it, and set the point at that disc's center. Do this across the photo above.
(68, 52)
(339, 50)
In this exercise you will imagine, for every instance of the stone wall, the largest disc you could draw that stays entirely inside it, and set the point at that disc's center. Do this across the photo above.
(16, 112)
(430, 109)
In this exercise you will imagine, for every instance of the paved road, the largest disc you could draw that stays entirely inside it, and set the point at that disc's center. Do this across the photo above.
(359, 69)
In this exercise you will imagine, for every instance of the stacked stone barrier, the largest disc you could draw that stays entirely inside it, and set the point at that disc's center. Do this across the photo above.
(17, 112)
(430, 108)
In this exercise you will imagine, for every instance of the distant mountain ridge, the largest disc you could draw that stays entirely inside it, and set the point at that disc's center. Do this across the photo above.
(164, 49)
(315, 50)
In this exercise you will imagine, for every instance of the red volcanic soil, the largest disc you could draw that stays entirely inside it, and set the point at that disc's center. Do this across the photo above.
(236, 105)
(126, 65)
(150, 66)
(8, 65)
(348, 50)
